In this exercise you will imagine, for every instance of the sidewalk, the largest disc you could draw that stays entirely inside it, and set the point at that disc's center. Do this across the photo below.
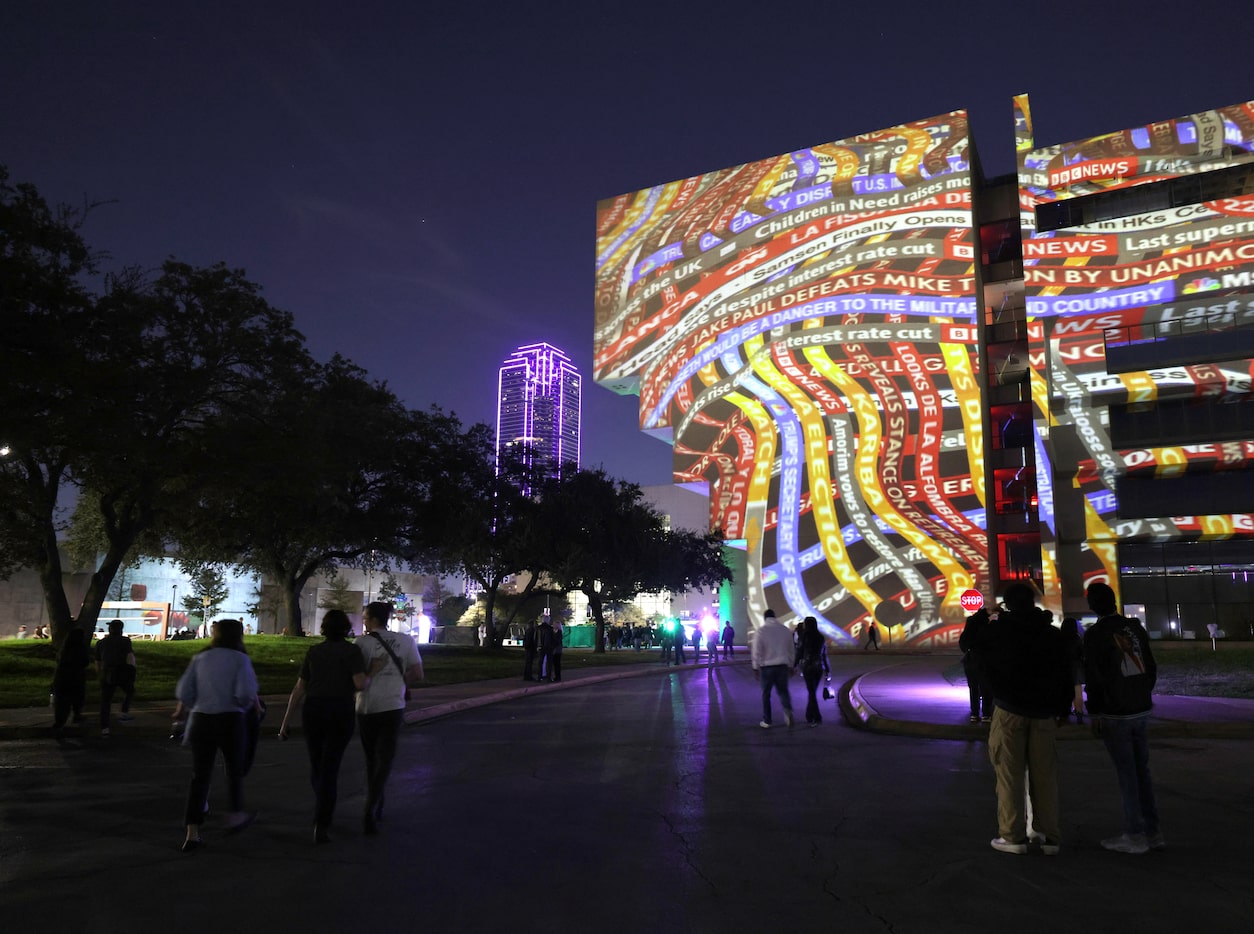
(907, 695)
(427, 703)
(926, 696)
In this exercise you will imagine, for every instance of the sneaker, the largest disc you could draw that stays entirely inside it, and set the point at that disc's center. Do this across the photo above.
(974, 718)
(1126, 843)
(986, 719)
(1155, 841)
(125, 717)
(765, 724)
(1005, 846)
(1050, 849)
(788, 717)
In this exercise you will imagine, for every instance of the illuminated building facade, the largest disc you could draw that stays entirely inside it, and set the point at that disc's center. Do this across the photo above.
(899, 381)
(537, 408)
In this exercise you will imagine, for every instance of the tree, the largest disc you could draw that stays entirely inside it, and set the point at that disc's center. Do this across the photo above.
(339, 470)
(337, 596)
(596, 535)
(209, 589)
(118, 399)
(483, 516)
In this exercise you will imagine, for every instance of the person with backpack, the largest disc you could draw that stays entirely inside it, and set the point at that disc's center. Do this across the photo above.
(1119, 673)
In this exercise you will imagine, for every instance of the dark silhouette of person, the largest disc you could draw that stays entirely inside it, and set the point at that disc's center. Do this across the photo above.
(977, 684)
(555, 657)
(330, 677)
(529, 651)
(115, 665)
(812, 658)
(729, 640)
(1074, 639)
(69, 680)
(545, 637)
(872, 636)
(1120, 673)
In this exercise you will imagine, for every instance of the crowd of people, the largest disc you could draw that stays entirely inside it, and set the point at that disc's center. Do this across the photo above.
(1026, 677)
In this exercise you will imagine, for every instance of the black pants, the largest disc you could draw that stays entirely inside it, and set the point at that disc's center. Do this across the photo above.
(329, 724)
(378, 742)
(108, 684)
(812, 679)
(529, 663)
(555, 666)
(208, 733)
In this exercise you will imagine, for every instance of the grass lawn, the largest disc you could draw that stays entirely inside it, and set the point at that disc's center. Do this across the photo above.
(26, 666)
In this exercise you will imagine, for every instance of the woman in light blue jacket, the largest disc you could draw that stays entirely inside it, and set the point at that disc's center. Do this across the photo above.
(218, 688)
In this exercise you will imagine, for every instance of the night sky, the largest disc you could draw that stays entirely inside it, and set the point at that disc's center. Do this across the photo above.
(416, 181)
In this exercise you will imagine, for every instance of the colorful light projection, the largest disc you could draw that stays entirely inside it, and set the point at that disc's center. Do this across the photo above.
(803, 330)
(1170, 270)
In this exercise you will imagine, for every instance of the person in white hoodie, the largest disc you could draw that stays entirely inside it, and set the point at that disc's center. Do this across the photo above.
(773, 655)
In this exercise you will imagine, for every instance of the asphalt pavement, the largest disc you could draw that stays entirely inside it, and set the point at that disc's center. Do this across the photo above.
(639, 798)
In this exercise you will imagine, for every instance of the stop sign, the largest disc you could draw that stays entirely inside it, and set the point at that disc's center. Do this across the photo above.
(971, 600)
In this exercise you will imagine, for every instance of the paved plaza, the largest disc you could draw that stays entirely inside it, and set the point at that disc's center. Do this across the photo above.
(641, 800)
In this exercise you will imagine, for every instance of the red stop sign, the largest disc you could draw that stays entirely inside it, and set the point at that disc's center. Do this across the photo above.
(971, 600)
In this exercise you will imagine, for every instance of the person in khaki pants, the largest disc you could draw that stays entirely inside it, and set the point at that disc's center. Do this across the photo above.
(1025, 661)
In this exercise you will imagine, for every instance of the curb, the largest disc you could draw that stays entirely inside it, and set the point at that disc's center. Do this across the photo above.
(425, 714)
(859, 714)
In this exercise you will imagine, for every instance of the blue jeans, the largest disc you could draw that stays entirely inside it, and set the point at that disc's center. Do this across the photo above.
(1127, 741)
(774, 676)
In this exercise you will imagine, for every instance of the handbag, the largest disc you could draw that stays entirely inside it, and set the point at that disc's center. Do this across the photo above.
(399, 667)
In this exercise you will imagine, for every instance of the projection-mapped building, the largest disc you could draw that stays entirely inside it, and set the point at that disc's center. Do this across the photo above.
(899, 381)
(537, 407)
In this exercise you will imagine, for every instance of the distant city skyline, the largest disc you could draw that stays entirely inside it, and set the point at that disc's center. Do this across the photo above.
(539, 394)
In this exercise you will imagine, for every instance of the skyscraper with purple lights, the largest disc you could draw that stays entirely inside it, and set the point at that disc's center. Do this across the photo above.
(537, 407)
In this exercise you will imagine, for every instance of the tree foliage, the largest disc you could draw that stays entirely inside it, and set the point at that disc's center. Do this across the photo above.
(596, 535)
(115, 395)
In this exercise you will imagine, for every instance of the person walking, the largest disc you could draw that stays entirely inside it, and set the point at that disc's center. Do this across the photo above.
(392, 666)
(872, 636)
(729, 640)
(812, 657)
(69, 680)
(1025, 662)
(330, 677)
(217, 688)
(773, 655)
(1120, 673)
(696, 643)
(711, 645)
(115, 666)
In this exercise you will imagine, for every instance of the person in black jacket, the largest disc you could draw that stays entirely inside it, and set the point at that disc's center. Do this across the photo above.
(1025, 662)
(977, 684)
(812, 657)
(1120, 673)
